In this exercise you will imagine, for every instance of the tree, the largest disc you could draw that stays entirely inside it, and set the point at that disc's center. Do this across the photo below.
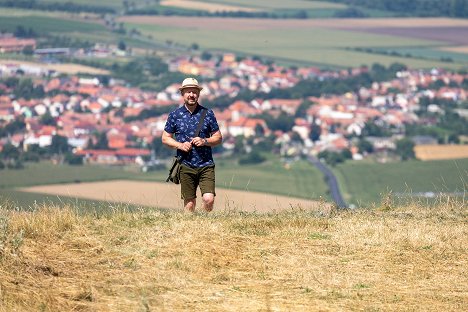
(206, 56)
(239, 146)
(160, 150)
(295, 137)
(9, 151)
(48, 120)
(102, 142)
(259, 131)
(252, 158)
(315, 132)
(405, 149)
(346, 153)
(59, 145)
(28, 50)
(122, 46)
(74, 160)
(365, 146)
(331, 158)
(301, 111)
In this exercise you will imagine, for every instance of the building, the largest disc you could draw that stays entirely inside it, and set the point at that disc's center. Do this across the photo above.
(9, 43)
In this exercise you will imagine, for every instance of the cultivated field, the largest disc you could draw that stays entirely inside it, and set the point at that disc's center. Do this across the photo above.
(61, 68)
(247, 5)
(44, 23)
(205, 6)
(302, 180)
(460, 49)
(105, 3)
(315, 41)
(165, 195)
(411, 258)
(436, 152)
(367, 183)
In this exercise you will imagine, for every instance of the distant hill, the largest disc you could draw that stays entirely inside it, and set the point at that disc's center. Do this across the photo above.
(298, 9)
(415, 8)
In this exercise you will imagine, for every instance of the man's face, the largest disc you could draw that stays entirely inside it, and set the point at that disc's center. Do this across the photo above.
(190, 96)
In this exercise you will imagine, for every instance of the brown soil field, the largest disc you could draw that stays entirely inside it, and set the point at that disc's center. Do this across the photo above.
(258, 24)
(62, 68)
(210, 7)
(167, 195)
(459, 49)
(435, 152)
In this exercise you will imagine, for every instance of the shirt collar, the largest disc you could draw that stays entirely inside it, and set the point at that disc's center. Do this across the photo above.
(196, 110)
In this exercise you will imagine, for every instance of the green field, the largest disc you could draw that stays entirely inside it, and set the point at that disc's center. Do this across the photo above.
(365, 183)
(309, 45)
(46, 173)
(279, 4)
(48, 24)
(114, 4)
(314, 9)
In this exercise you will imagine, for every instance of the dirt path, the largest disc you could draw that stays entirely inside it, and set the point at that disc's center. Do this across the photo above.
(165, 195)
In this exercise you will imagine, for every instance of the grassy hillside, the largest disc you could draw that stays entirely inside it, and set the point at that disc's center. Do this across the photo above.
(406, 258)
(364, 183)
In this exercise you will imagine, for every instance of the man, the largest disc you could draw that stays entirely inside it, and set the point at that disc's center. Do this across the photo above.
(198, 168)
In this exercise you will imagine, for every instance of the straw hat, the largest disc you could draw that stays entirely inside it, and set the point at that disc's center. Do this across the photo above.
(190, 83)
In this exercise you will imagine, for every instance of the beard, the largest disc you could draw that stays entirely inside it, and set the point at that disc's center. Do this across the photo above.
(191, 101)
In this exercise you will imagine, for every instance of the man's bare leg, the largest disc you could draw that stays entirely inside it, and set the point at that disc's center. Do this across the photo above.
(189, 204)
(208, 201)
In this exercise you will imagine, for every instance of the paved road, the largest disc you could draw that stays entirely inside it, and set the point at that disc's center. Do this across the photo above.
(331, 181)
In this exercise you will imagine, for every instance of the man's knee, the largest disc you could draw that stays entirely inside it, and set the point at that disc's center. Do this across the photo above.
(190, 204)
(208, 201)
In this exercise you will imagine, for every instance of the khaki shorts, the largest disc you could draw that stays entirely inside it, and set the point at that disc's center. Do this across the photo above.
(191, 178)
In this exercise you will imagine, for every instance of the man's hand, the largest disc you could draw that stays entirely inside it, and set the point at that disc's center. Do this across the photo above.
(197, 141)
(186, 146)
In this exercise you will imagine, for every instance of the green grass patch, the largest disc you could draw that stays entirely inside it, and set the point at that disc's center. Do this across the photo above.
(47, 173)
(301, 180)
(429, 53)
(113, 4)
(43, 24)
(366, 183)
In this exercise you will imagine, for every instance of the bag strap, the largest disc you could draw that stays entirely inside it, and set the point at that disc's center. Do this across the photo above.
(200, 122)
(199, 126)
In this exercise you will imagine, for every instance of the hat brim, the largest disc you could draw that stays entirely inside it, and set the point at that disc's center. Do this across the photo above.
(190, 86)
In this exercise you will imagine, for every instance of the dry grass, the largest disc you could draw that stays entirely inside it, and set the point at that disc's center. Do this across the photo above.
(436, 152)
(407, 258)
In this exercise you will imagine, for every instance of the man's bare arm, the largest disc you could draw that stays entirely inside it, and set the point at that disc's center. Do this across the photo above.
(215, 139)
(168, 140)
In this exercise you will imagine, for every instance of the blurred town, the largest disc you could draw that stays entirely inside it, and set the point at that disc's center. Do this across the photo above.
(380, 112)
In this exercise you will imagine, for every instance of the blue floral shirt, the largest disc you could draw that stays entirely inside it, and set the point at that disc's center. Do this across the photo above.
(183, 124)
